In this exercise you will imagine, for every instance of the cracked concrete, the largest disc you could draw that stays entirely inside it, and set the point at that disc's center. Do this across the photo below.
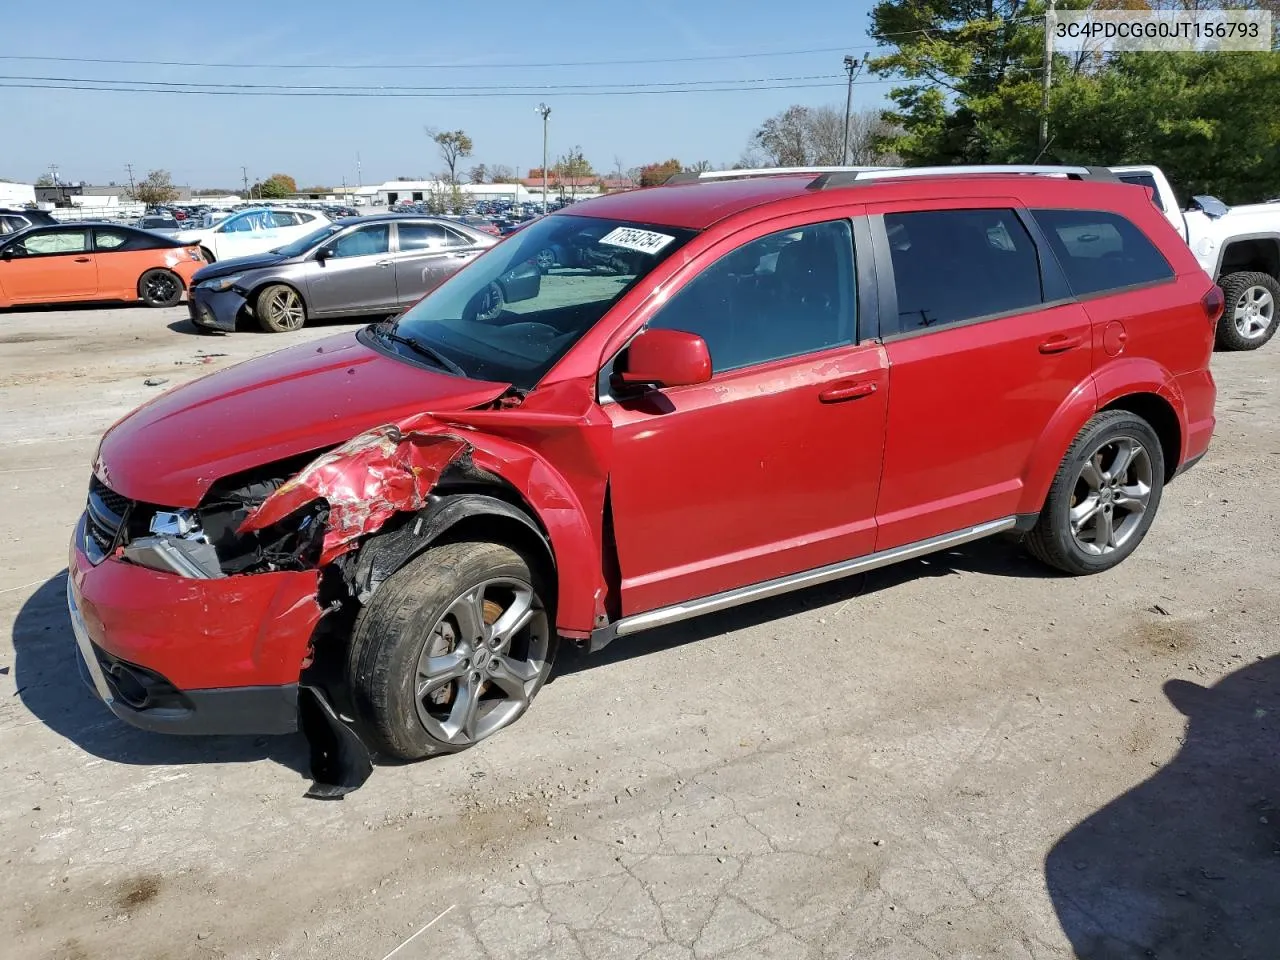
(879, 773)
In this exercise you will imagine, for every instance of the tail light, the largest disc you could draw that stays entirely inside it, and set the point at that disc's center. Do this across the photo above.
(1213, 303)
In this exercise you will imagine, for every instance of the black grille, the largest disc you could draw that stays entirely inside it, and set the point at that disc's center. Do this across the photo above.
(107, 512)
(110, 499)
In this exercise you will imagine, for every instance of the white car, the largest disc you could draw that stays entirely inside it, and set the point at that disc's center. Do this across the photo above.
(250, 232)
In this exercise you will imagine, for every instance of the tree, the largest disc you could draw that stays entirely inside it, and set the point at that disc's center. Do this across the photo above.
(155, 189)
(454, 145)
(316, 189)
(275, 187)
(44, 180)
(814, 136)
(501, 173)
(570, 169)
(478, 174)
(655, 174)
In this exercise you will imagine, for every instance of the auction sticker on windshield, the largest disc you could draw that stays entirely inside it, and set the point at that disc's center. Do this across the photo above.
(642, 241)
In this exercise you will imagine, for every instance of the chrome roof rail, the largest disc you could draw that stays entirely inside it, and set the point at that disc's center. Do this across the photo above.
(827, 180)
(678, 178)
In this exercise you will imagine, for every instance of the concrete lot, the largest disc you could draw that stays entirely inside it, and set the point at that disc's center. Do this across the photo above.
(963, 757)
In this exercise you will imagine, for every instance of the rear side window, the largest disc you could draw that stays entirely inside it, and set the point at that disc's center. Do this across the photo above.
(950, 266)
(1102, 251)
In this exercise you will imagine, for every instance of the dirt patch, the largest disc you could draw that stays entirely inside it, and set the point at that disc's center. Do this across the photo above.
(137, 892)
(1165, 636)
(33, 338)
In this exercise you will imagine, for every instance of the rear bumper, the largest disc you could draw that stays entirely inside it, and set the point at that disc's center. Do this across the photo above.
(214, 310)
(1199, 395)
(181, 655)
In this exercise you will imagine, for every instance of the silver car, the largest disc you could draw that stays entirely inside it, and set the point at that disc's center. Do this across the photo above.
(358, 266)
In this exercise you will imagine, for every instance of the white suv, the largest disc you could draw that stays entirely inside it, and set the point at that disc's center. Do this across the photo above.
(249, 232)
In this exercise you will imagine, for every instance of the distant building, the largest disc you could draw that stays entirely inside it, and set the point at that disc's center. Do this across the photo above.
(16, 194)
(61, 194)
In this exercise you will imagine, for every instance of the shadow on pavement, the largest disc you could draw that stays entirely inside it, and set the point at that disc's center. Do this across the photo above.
(1186, 866)
(47, 676)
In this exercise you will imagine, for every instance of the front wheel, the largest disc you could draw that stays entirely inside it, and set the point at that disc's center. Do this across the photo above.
(451, 649)
(280, 309)
(1104, 497)
(160, 288)
(1249, 319)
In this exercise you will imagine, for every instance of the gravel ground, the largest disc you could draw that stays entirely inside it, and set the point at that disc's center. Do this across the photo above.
(960, 757)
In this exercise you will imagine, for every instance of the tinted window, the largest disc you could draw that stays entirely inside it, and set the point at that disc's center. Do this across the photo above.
(1144, 180)
(421, 236)
(1101, 251)
(364, 242)
(783, 295)
(10, 224)
(52, 242)
(955, 265)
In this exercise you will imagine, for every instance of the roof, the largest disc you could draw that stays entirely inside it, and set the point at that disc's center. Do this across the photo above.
(699, 205)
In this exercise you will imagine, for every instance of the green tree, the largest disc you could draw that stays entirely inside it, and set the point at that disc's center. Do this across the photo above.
(454, 145)
(275, 187)
(155, 189)
(655, 174)
(44, 180)
(570, 169)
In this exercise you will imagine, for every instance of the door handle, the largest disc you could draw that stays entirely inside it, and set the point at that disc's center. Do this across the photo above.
(847, 391)
(82, 259)
(384, 263)
(1060, 344)
(459, 256)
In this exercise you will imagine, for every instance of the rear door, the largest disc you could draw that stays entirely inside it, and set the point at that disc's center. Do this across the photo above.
(49, 265)
(984, 344)
(358, 276)
(425, 258)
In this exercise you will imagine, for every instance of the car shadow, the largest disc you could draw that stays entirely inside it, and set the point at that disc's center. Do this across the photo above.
(994, 556)
(87, 305)
(246, 324)
(1186, 865)
(48, 680)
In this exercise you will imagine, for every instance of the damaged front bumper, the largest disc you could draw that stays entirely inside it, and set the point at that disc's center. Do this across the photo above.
(215, 309)
(182, 655)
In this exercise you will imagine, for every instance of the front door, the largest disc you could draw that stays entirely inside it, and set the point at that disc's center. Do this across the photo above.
(772, 467)
(429, 254)
(50, 265)
(983, 347)
(358, 276)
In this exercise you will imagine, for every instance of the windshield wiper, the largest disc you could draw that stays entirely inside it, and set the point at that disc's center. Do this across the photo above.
(420, 348)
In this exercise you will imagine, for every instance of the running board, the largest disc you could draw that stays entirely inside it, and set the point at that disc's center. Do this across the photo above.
(796, 581)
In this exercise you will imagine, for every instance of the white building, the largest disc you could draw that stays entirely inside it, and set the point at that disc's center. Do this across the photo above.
(393, 191)
(16, 194)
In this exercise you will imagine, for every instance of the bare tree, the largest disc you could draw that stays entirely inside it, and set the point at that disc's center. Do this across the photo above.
(501, 173)
(478, 174)
(814, 136)
(454, 145)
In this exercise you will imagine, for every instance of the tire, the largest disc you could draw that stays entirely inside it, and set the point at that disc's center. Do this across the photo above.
(415, 629)
(160, 288)
(1252, 311)
(280, 308)
(545, 259)
(492, 303)
(208, 255)
(1056, 539)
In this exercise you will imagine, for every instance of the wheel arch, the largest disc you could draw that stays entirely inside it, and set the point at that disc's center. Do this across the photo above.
(1159, 413)
(1253, 252)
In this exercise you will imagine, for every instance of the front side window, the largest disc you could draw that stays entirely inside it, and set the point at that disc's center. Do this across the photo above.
(52, 243)
(783, 295)
(1102, 251)
(500, 318)
(363, 242)
(950, 266)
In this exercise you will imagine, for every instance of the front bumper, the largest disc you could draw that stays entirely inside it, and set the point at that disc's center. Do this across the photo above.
(180, 655)
(214, 310)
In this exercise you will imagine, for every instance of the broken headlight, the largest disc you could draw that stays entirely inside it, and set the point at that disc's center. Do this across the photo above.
(176, 544)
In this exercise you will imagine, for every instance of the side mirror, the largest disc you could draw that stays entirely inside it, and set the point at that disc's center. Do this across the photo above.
(6, 253)
(323, 254)
(1211, 207)
(667, 358)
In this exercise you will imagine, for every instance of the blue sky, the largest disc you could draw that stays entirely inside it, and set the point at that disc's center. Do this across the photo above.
(204, 140)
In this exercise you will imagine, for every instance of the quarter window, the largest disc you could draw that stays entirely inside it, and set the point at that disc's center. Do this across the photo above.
(1102, 251)
(950, 266)
(783, 295)
(109, 239)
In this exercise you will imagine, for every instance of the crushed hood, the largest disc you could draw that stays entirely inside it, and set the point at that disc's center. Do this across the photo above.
(300, 399)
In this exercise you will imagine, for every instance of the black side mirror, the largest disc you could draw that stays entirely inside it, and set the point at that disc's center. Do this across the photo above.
(323, 254)
(6, 253)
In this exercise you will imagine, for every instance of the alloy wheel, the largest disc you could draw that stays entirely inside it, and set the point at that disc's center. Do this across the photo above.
(1254, 313)
(161, 288)
(1111, 496)
(285, 309)
(483, 660)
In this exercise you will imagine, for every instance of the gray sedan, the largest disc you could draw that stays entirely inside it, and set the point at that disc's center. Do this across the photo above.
(358, 266)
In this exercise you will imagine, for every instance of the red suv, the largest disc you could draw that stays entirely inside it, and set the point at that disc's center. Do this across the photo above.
(780, 380)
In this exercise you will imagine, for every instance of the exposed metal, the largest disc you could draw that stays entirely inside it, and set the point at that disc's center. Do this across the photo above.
(809, 578)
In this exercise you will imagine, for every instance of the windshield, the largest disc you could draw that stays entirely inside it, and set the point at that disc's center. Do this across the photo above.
(301, 246)
(512, 313)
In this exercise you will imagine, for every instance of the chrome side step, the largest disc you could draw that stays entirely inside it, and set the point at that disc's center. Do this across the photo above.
(796, 581)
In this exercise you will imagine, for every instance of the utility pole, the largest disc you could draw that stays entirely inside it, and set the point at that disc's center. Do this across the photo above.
(244, 173)
(359, 173)
(851, 67)
(1050, 22)
(543, 109)
(133, 190)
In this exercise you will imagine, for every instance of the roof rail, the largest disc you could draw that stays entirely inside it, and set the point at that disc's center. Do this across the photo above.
(831, 179)
(678, 178)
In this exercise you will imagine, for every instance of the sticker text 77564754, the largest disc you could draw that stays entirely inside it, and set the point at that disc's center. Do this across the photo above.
(631, 238)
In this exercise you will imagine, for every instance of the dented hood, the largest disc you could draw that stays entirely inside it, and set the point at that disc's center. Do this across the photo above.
(303, 398)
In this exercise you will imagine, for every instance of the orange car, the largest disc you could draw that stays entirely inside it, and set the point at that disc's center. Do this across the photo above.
(94, 261)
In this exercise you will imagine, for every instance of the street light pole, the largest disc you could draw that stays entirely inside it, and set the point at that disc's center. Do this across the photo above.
(850, 67)
(1046, 77)
(546, 112)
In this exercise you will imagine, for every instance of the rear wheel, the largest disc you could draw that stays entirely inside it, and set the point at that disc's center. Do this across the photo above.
(160, 288)
(1253, 307)
(450, 650)
(1104, 497)
(279, 309)
(207, 254)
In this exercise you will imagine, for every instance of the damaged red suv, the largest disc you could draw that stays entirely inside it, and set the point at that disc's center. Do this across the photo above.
(750, 385)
